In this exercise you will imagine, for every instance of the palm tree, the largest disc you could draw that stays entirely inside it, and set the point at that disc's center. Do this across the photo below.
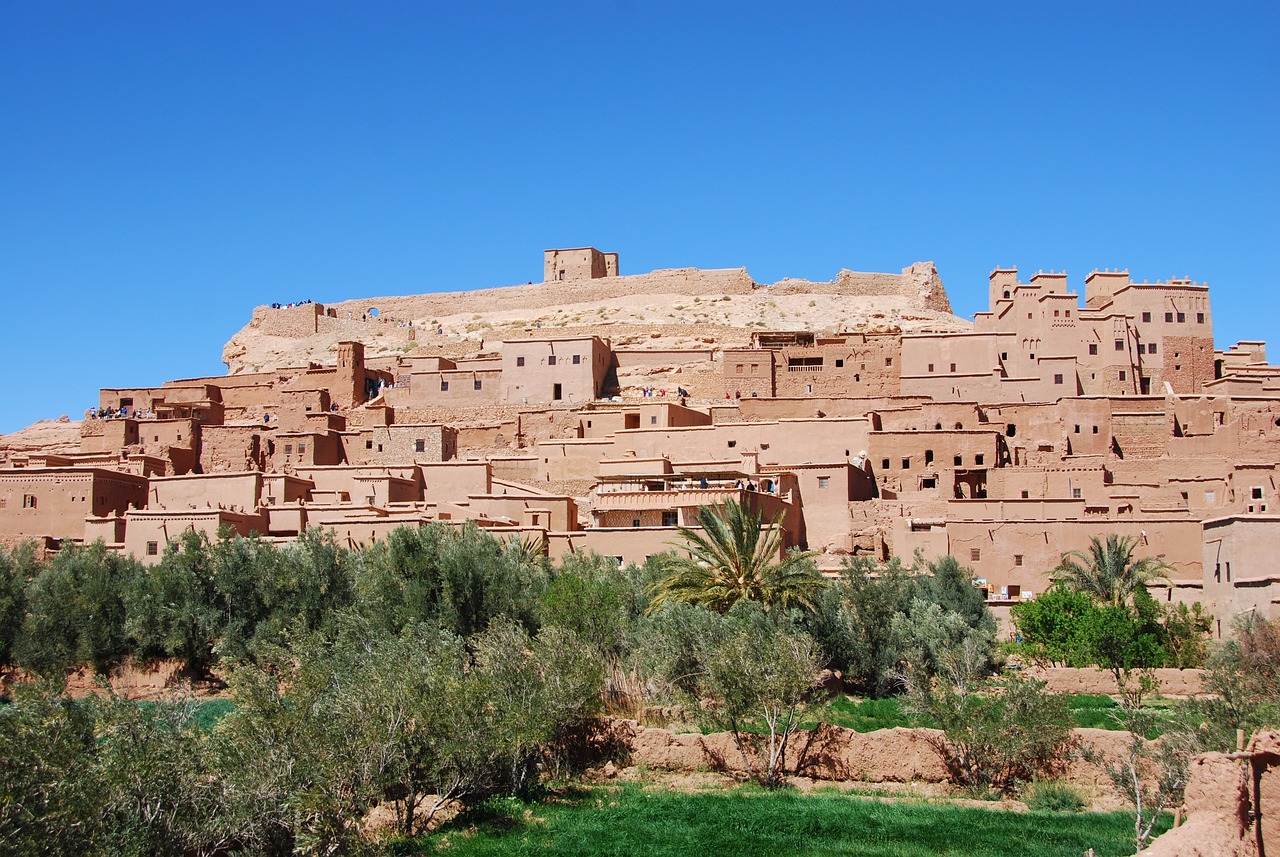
(1108, 572)
(733, 558)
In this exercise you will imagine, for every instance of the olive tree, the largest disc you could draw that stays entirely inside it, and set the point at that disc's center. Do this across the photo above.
(759, 672)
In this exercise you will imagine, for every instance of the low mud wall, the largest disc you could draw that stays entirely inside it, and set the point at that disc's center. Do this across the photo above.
(833, 753)
(1173, 682)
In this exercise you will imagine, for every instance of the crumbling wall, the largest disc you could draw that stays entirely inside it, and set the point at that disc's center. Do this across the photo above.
(918, 282)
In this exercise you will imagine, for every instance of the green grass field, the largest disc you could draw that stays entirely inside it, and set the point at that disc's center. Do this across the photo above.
(747, 821)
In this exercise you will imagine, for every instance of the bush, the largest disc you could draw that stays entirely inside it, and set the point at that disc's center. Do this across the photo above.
(878, 617)
(999, 734)
(1053, 796)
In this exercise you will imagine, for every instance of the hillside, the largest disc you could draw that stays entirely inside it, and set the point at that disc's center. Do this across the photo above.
(675, 308)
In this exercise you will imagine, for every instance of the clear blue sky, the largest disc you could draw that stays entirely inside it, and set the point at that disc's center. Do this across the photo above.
(165, 167)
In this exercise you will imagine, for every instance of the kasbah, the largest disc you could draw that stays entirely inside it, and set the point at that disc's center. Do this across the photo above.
(598, 412)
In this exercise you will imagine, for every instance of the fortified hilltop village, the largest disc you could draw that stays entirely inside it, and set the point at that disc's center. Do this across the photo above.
(597, 412)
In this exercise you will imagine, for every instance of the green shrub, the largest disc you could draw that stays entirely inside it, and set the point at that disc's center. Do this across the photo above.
(1053, 796)
(996, 735)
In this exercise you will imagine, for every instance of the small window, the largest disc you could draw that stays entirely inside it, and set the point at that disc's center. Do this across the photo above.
(1119, 345)
(978, 459)
(732, 444)
(28, 501)
(928, 457)
(1077, 428)
(884, 464)
(669, 519)
(519, 361)
(153, 548)
(824, 481)
(444, 386)
(929, 482)
(839, 363)
(577, 358)
(653, 420)
(556, 392)
(1055, 313)
(958, 460)
(1151, 348)
(1068, 313)
(1011, 430)
(420, 445)
(379, 447)
(635, 522)
(368, 444)
(888, 361)
(1168, 317)
(1142, 348)
(1182, 318)
(975, 554)
(288, 449)
(1123, 375)
(476, 384)
(1057, 379)
(930, 367)
(1256, 494)
(1209, 497)
(1004, 355)
(906, 464)
(1146, 317)
(1075, 493)
(1017, 559)
(302, 449)
(1199, 318)
(551, 360)
(737, 369)
(1026, 495)
(953, 367)
(1093, 348)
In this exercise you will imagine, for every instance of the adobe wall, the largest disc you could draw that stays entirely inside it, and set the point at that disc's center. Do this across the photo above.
(516, 468)
(294, 322)
(1188, 363)
(834, 753)
(1017, 548)
(919, 282)
(661, 357)
(107, 435)
(399, 444)
(749, 373)
(1222, 818)
(239, 490)
(628, 544)
(55, 502)
(1173, 682)
(533, 427)
(676, 281)
(233, 448)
